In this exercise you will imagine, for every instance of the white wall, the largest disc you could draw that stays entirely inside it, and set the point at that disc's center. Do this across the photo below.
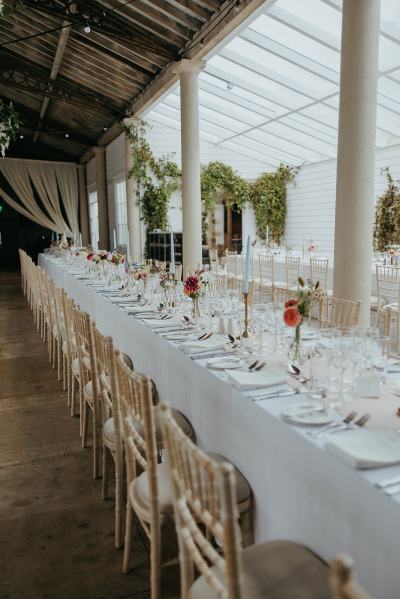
(311, 202)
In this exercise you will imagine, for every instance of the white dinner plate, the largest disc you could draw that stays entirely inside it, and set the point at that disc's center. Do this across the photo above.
(297, 413)
(224, 363)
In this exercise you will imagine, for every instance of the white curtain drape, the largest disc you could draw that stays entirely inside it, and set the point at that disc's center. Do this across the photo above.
(53, 182)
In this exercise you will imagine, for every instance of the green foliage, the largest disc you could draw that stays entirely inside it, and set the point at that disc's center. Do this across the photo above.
(387, 215)
(220, 181)
(157, 179)
(9, 125)
(268, 198)
(9, 8)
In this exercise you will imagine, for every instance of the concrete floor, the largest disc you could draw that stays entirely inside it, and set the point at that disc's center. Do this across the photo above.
(56, 534)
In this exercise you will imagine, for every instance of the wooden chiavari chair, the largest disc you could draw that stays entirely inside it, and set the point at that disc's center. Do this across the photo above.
(343, 584)
(292, 264)
(388, 289)
(234, 269)
(149, 493)
(111, 423)
(88, 381)
(340, 313)
(206, 517)
(47, 314)
(319, 269)
(266, 282)
(214, 262)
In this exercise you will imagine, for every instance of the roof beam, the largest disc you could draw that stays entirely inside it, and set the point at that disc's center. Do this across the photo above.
(62, 42)
(222, 24)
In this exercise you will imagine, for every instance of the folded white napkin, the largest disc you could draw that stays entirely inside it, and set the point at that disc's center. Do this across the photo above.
(194, 346)
(254, 380)
(366, 448)
(159, 323)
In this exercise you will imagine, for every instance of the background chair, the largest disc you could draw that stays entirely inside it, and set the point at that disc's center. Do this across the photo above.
(335, 312)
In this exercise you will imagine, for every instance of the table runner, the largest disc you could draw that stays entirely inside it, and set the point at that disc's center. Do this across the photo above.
(301, 492)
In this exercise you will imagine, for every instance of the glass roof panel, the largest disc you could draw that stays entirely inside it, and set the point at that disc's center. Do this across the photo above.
(272, 92)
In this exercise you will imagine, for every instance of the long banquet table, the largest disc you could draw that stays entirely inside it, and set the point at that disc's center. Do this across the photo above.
(301, 492)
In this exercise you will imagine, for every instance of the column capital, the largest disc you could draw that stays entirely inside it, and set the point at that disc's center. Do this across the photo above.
(131, 121)
(98, 150)
(186, 65)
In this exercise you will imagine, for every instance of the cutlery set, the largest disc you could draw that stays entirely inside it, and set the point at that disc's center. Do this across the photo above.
(348, 423)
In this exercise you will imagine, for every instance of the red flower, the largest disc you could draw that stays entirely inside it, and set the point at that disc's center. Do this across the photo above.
(292, 317)
(90, 256)
(191, 286)
(291, 303)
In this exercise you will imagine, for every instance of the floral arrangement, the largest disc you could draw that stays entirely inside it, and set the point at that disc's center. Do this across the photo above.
(192, 286)
(167, 280)
(9, 125)
(116, 257)
(97, 256)
(297, 309)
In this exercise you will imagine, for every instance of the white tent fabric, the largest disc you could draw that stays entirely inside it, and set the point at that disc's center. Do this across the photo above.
(52, 182)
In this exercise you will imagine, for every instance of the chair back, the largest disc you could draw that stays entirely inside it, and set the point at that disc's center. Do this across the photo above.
(136, 404)
(232, 268)
(340, 313)
(319, 272)
(83, 330)
(266, 269)
(387, 284)
(214, 263)
(292, 270)
(106, 372)
(343, 584)
(205, 508)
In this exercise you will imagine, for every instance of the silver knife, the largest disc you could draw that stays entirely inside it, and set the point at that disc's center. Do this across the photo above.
(271, 395)
(388, 482)
(205, 356)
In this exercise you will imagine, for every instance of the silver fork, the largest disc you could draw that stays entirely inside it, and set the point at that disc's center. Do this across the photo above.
(357, 424)
(332, 425)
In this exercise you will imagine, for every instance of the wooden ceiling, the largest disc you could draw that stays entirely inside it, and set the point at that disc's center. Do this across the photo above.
(70, 85)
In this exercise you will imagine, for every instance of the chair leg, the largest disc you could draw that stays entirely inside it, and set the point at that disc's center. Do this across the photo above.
(104, 486)
(155, 562)
(54, 351)
(72, 394)
(64, 372)
(118, 501)
(95, 447)
(59, 367)
(246, 525)
(126, 565)
(85, 425)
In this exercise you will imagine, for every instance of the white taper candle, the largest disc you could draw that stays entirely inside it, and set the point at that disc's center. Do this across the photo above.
(247, 268)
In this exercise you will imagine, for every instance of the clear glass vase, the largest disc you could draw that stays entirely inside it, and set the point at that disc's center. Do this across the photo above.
(297, 354)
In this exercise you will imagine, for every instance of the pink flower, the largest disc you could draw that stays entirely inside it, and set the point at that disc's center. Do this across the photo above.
(292, 317)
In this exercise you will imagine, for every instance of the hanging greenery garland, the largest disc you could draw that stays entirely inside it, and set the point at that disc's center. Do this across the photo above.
(387, 215)
(268, 199)
(157, 179)
(220, 182)
(9, 125)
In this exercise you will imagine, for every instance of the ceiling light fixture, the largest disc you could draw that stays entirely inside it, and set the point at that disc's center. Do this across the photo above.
(21, 137)
(87, 29)
(67, 135)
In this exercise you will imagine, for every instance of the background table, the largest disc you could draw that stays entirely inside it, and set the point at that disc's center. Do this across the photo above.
(301, 492)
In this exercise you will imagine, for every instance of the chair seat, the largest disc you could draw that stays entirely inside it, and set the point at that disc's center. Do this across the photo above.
(139, 488)
(276, 570)
(178, 416)
(375, 301)
(393, 307)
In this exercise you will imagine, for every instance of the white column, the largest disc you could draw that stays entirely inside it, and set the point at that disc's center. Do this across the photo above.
(133, 208)
(356, 152)
(83, 205)
(101, 187)
(188, 71)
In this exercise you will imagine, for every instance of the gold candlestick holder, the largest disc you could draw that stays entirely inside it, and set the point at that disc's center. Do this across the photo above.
(245, 333)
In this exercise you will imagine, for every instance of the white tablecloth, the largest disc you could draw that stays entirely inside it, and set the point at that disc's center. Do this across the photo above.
(300, 491)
